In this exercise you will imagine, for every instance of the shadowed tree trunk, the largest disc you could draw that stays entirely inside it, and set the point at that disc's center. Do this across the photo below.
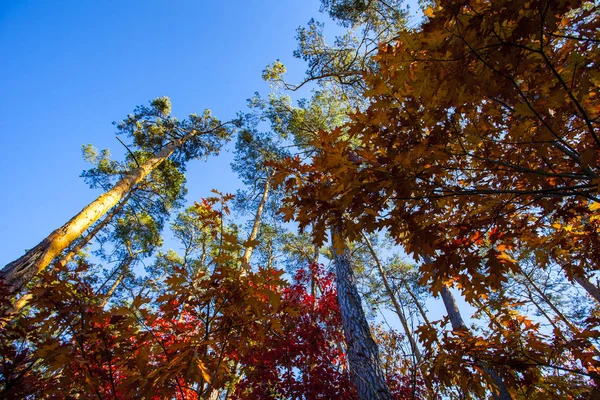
(588, 286)
(20, 272)
(363, 353)
(458, 324)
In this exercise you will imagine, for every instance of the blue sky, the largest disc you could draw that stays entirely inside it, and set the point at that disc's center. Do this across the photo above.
(71, 67)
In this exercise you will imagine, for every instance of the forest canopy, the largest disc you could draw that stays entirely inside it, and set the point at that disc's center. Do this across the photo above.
(457, 159)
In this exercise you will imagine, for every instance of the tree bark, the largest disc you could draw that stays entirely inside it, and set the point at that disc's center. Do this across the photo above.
(257, 216)
(24, 299)
(459, 324)
(363, 353)
(20, 272)
(452, 309)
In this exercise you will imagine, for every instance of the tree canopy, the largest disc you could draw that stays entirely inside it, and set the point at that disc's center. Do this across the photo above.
(454, 160)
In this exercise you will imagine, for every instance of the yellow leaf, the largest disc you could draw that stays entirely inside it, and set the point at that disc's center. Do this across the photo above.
(203, 370)
(428, 12)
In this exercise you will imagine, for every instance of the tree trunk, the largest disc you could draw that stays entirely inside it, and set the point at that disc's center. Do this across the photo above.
(588, 286)
(213, 395)
(123, 270)
(417, 303)
(20, 272)
(549, 302)
(257, 216)
(92, 234)
(459, 324)
(392, 296)
(452, 309)
(363, 354)
(24, 300)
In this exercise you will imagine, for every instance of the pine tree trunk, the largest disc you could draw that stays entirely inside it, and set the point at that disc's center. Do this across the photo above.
(24, 299)
(92, 234)
(257, 216)
(20, 272)
(363, 354)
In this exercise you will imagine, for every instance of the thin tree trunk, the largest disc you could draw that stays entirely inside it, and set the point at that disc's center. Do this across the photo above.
(313, 279)
(417, 303)
(363, 353)
(257, 216)
(20, 272)
(588, 286)
(549, 302)
(574, 329)
(459, 324)
(115, 285)
(392, 297)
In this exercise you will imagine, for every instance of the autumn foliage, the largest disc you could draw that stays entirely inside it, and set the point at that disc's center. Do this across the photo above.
(255, 336)
(475, 149)
(478, 151)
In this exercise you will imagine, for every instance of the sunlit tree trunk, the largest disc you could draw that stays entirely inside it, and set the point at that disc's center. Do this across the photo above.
(25, 298)
(20, 272)
(363, 353)
(257, 217)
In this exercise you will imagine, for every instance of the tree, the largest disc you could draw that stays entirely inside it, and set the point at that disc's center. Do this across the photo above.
(479, 143)
(255, 152)
(153, 130)
(363, 353)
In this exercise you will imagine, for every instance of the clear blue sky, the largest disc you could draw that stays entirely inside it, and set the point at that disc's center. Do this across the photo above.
(69, 68)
